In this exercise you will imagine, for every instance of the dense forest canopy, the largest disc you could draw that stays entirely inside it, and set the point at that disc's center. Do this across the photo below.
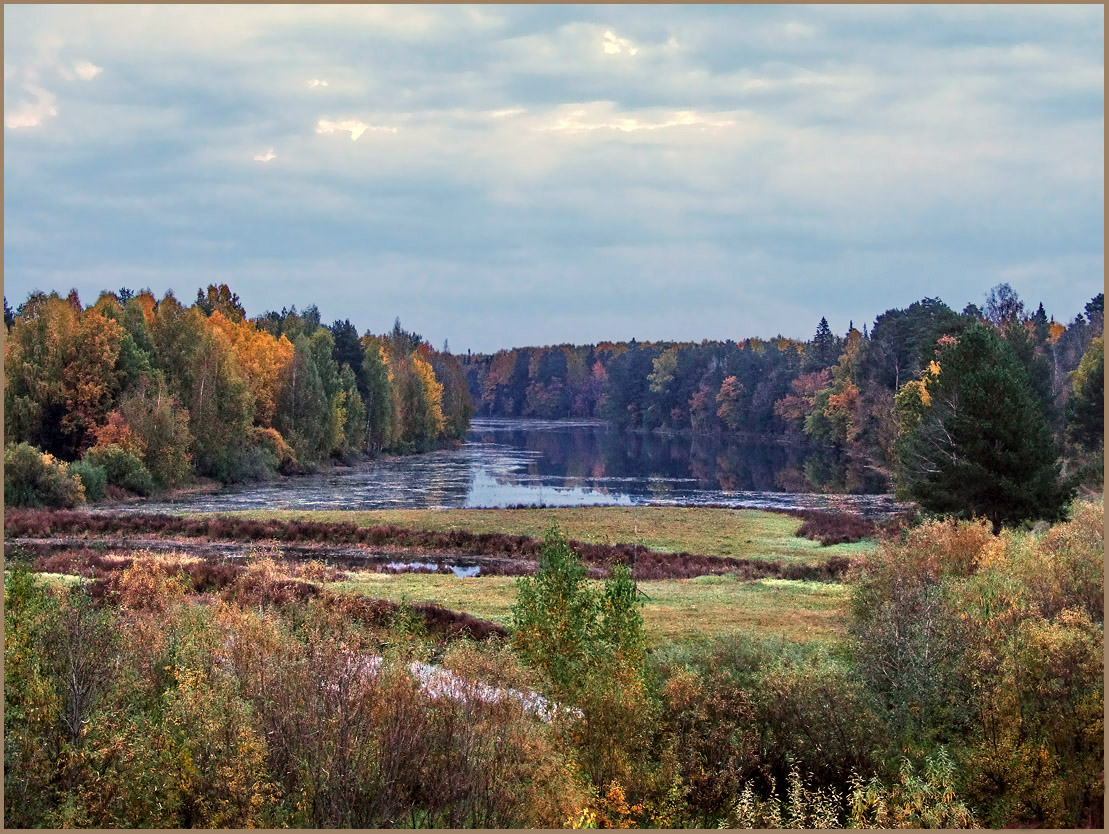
(835, 389)
(152, 392)
(142, 384)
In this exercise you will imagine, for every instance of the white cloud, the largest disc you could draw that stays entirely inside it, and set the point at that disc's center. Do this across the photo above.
(265, 157)
(25, 113)
(511, 111)
(796, 29)
(87, 70)
(316, 82)
(613, 45)
(601, 116)
(354, 127)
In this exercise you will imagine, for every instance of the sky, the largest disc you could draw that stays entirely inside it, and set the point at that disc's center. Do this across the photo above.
(504, 176)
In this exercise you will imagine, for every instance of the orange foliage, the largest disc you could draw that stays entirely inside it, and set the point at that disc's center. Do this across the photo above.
(799, 404)
(149, 305)
(116, 431)
(261, 357)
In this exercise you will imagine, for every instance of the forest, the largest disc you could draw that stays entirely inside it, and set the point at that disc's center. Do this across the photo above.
(141, 395)
(884, 395)
(145, 395)
(833, 389)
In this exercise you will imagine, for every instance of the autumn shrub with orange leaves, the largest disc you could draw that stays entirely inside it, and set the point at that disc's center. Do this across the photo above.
(145, 708)
(992, 647)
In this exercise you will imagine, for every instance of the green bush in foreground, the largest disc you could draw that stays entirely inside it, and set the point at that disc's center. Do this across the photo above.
(33, 478)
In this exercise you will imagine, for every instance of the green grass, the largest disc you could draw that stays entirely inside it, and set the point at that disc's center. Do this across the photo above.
(678, 610)
(743, 534)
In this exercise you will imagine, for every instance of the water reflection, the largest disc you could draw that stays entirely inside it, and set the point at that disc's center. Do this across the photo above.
(540, 463)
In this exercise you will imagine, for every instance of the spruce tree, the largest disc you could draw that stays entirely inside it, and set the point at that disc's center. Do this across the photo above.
(975, 440)
(823, 349)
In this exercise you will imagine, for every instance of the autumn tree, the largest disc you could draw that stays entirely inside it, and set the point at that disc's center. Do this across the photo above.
(61, 374)
(457, 407)
(162, 428)
(220, 298)
(262, 360)
(428, 422)
(727, 401)
(204, 376)
(796, 406)
(834, 417)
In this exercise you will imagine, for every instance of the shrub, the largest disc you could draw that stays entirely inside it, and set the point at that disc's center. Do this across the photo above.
(32, 705)
(916, 800)
(94, 478)
(835, 528)
(747, 709)
(803, 807)
(33, 478)
(125, 469)
(993, 647)
(591, 646)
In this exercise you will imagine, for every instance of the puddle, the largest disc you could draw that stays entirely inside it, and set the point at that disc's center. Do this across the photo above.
(462, 571)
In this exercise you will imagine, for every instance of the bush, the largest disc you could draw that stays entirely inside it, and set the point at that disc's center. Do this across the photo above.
(835, 528)
(125, 469)
(916, 800)
(803, 807)
(992, 646)
(591, 647)
(94, 478)
(744, 709)
(33, 478)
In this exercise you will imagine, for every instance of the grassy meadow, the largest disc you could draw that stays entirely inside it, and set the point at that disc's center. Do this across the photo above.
(711, 531)
(675, 610)
(680, 611)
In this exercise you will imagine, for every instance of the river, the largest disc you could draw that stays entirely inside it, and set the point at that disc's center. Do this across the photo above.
(506, 463)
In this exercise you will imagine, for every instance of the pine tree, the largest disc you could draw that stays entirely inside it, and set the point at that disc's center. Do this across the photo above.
(974, 438)
(824, 348)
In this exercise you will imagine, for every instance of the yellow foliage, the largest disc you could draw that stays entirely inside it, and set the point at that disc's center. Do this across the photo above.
(262, 359)
(433, 393)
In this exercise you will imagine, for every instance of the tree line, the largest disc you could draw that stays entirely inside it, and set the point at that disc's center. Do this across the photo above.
(154, 392)
(1035, 386)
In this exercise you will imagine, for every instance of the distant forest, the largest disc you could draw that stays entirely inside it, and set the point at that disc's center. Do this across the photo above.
(153, 392)
(994, 411)
(836, 390)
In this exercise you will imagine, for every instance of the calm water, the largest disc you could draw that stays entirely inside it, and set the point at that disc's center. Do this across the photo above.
(539, 463)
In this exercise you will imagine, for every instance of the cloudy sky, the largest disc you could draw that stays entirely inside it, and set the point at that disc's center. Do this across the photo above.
(529, 175)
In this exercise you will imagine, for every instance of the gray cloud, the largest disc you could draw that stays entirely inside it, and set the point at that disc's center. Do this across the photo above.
(509, 175)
